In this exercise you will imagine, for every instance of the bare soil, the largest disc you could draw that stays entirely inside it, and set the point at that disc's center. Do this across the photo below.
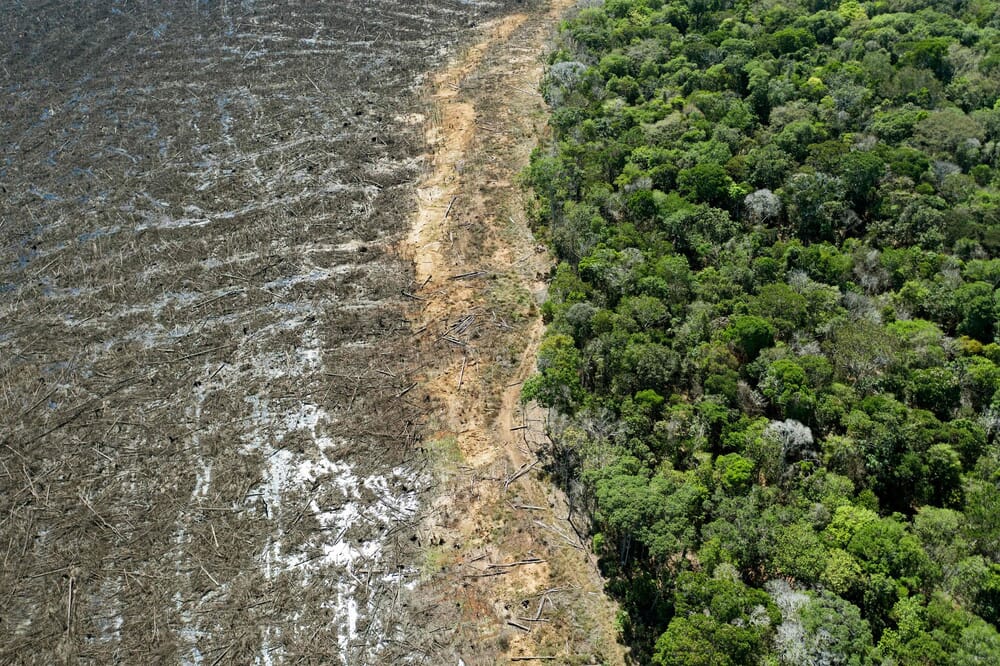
(506, 575)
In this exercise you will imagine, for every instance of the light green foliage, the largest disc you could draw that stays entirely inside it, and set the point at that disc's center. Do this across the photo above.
(734, 472)
(785, 384)
(800, 553)
(717, 622)
(558, 384)
(843, 574)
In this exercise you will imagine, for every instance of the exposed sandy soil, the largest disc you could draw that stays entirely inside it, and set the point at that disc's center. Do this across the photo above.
(506, 577)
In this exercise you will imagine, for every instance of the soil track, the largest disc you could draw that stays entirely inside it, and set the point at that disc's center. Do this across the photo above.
(506, 576)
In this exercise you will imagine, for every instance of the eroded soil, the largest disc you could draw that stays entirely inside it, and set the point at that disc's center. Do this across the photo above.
(237, 424)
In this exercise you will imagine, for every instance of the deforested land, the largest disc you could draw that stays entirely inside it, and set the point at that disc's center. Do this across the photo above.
(221, 435)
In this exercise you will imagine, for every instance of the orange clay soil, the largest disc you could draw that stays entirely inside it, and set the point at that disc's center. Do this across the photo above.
(505, 576)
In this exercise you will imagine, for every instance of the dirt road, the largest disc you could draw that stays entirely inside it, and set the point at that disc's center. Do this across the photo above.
(505, 574)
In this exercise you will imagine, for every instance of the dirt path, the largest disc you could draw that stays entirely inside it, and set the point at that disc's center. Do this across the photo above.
(505, 576)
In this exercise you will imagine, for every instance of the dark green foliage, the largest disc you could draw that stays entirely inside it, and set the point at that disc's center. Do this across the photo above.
(708, 183)
(749, 335)
(772, 328)
(558, 384)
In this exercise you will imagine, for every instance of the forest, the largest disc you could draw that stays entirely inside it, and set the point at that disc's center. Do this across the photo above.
(771, 359)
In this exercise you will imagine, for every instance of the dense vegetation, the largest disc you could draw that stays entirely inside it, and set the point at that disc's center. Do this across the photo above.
(771, 353)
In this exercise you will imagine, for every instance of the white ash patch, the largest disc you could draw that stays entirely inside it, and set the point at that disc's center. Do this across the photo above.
(355, 511)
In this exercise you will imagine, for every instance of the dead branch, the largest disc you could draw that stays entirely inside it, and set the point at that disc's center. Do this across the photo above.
(466, 276)
(524, 469)
(528, 507)
(487, 575)
(519, 563)
(450, 204)
(532, 658)
(560, 533)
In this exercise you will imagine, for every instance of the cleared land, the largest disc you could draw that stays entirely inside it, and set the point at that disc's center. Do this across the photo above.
(207, 415)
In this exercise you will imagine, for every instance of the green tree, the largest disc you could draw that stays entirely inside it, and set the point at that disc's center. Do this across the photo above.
(734, 472)
(558, 382)
(942, 132)
(834, 632)
(748, 335)
(944, 477)
(975, 307)
(705, 183)
(800, 553)
(717, 622)
(785, 384)
(982, 496)
(936, 389)
(776, 226)
(860, 173)
(862, 352)
(815, 206)
(784, 307)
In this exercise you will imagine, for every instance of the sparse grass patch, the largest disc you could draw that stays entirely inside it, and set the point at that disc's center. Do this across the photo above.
(436, 560)
(510, 299)
(445, 450)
